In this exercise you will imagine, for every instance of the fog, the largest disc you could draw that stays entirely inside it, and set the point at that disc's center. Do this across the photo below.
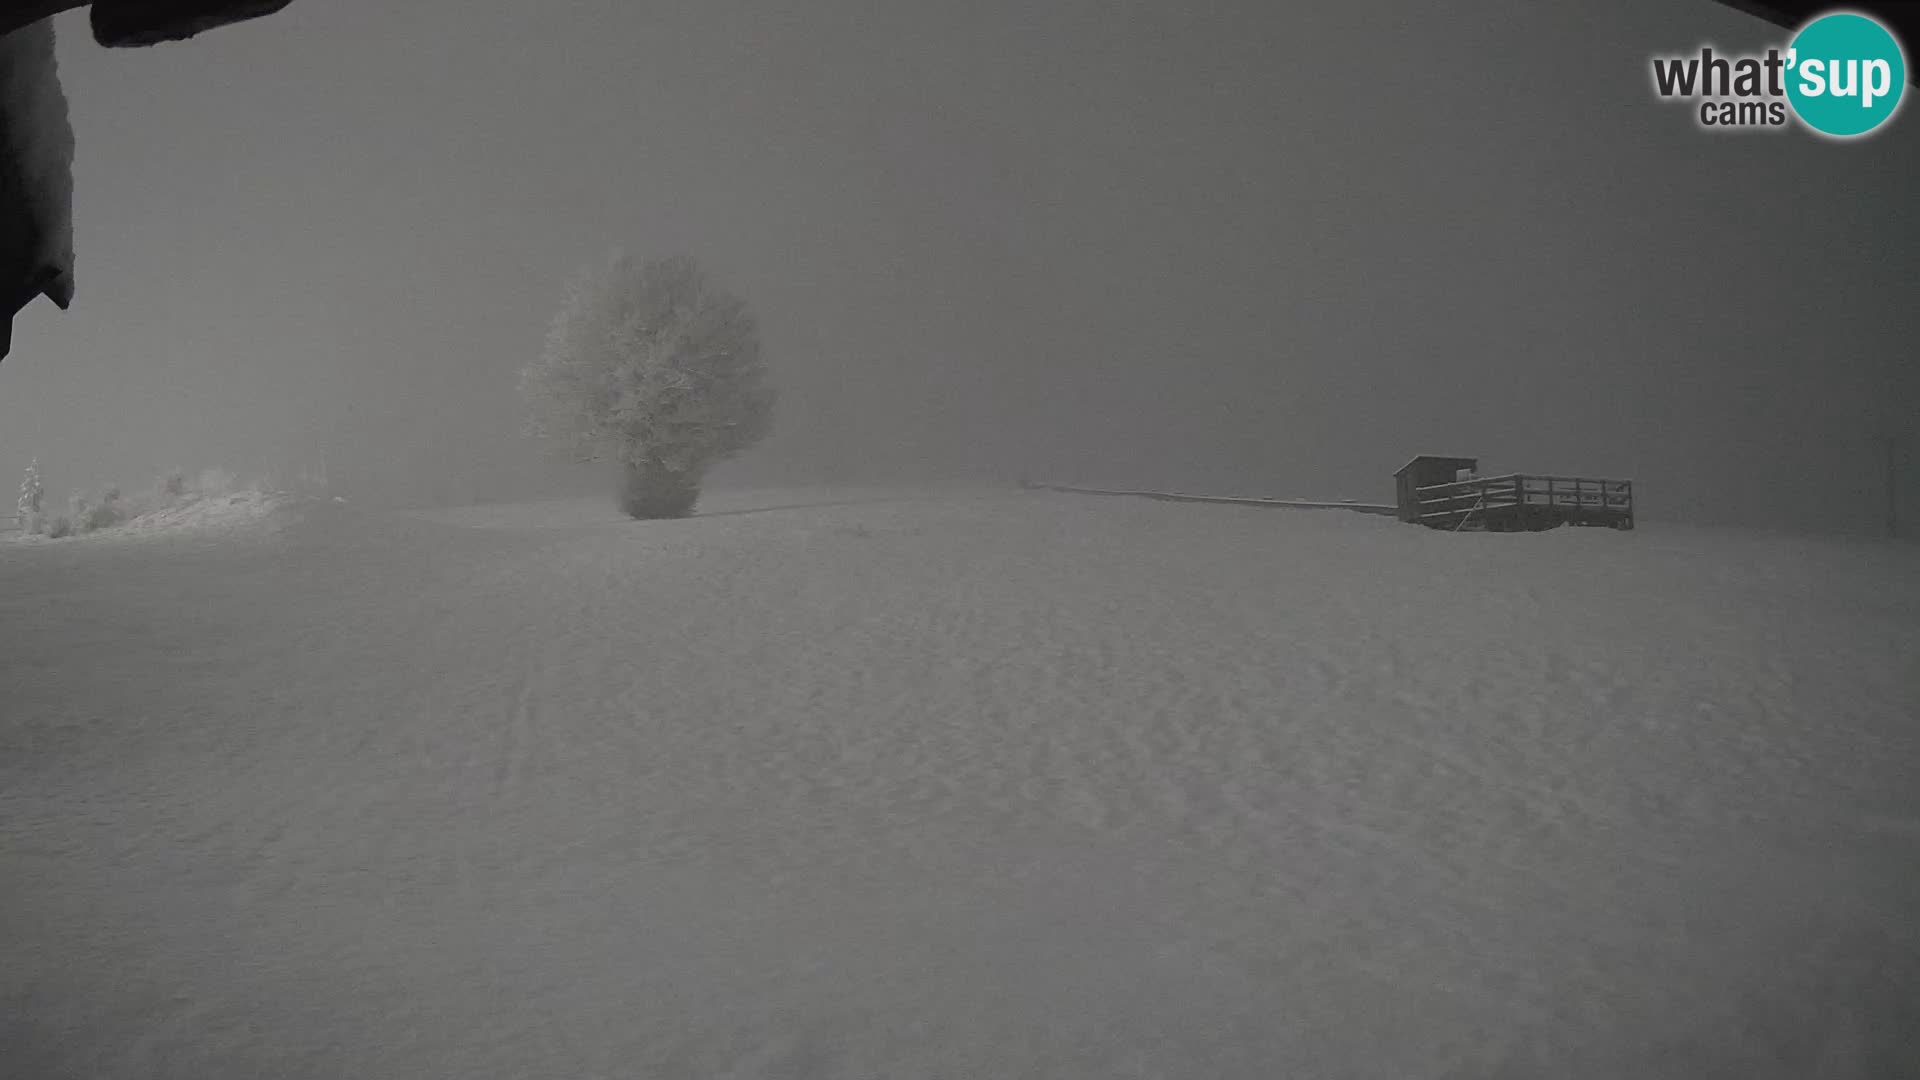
(1236, 249)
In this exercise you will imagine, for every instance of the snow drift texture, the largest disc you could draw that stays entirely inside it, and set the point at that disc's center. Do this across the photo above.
(1027, 785)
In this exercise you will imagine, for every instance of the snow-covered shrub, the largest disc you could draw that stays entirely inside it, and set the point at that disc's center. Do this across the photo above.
(172, 491)
(108, 512)
(84, 515)
(654, 367)
(32, 495)
(79, 510)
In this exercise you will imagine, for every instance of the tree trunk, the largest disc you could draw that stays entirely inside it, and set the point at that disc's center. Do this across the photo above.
(649, 491)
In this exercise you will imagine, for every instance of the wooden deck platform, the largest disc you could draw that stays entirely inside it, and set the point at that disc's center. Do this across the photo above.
(1517, 502)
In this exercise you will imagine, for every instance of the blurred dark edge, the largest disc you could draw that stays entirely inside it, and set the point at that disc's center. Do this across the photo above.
(1900, 16)
(36, 138)
(132, 23)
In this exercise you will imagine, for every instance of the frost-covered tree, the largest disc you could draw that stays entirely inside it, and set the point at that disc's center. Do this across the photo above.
(33, 494)
(651, 366)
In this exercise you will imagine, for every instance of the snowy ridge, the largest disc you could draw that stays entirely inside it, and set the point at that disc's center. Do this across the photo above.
(196, 515)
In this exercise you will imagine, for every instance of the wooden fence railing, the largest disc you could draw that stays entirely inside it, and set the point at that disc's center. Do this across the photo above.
(1519, 494)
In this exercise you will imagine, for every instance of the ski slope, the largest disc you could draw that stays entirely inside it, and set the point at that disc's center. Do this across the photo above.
(955, 784)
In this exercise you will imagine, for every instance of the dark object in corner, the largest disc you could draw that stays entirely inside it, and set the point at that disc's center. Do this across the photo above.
(36, 140)
(132, 23)
(36, 178)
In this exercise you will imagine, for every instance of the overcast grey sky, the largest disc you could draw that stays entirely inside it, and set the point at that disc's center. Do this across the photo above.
(1241, 247)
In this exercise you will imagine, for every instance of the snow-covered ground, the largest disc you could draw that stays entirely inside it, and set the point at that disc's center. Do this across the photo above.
(982, 785)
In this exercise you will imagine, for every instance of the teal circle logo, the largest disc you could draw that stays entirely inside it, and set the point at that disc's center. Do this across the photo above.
(1845, 74)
